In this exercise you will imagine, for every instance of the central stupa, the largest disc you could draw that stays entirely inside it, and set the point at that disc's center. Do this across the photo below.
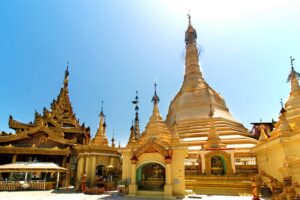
(199, 114)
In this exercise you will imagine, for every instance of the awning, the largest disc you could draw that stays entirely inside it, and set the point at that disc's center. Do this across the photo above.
(31, 167)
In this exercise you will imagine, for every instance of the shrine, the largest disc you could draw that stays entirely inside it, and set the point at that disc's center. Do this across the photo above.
(152, 160)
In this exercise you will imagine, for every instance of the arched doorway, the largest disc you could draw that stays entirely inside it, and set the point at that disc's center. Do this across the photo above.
(100, 170)
(151, 176)
(217, 165)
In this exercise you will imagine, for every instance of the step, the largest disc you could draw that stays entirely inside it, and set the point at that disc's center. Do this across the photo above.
(223, 191)
(220, 185)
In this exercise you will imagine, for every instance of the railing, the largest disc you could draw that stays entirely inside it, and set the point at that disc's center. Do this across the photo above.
(22, 185)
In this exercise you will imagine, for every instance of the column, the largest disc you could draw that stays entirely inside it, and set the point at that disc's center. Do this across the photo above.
(64, 161)
(93, 169)
(87, 167)
(168, 186)
(14, 158)
(232, 162)
(202, 162)
(57, 181)
(80, 169)
(26, 173)
(133, 186)
(168, 174)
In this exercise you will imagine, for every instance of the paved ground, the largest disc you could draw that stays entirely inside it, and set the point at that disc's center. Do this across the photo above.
(51, 195)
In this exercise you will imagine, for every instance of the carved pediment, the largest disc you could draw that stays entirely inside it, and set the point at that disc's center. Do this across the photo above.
(152, 147)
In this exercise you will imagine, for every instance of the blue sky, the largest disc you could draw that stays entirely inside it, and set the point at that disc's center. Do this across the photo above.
(117, 47)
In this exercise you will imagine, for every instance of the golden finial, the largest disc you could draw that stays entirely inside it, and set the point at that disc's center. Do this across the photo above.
(66, 76)
(101, 113)
(292, 62)
(189, 17)
(155, 98)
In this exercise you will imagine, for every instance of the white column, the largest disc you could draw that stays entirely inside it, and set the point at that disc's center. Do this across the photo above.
(26, 176)
(57, 181)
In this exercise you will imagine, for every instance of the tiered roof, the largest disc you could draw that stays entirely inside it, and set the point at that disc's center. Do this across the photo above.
(59, 122)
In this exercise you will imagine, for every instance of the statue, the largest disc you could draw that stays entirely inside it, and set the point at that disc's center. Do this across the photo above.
(256, 183)
(157, 171)
(83, 182)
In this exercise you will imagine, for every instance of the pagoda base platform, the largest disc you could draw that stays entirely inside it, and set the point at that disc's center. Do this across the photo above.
(219, 184)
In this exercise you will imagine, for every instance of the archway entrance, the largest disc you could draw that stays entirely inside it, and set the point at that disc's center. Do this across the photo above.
(217, 165)
(100, 170)
(151, 176)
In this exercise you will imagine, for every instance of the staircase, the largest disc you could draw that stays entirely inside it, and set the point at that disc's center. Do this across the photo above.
(219, 185)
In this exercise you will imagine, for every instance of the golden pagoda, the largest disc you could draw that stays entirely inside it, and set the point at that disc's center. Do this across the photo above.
(50, 138)
(203, 121)
(279, 154)
(98, 161)
(153, 162)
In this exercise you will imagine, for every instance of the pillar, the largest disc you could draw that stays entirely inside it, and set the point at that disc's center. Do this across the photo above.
(202, 162)
(14, 158)
(168, 186)
(93, 169)
(87, 167)
(80, 170)
(26, 173)
(57, 181)
(232, 162)
(133, 186)
(64, 161)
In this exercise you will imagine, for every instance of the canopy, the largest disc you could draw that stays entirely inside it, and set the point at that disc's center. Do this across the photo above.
(31, 167)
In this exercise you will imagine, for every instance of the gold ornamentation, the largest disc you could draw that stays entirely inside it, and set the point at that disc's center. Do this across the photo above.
(151, 147)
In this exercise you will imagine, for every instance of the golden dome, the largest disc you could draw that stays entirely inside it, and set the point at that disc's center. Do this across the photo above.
(200, 112)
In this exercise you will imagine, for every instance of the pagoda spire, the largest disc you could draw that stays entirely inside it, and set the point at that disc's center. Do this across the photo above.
(101, 113)
(284, 125)
(192, 68)
(293, 77)
(66, 79)
(61, 108)
(155, 99)
(100, 137)
(136, 120)
(132, 136)
(263, 136)
(113, 140)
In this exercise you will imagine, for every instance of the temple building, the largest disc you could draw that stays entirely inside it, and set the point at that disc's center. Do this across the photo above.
(51, 137)
(153, 161)
(279, 154)
(56, 136)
